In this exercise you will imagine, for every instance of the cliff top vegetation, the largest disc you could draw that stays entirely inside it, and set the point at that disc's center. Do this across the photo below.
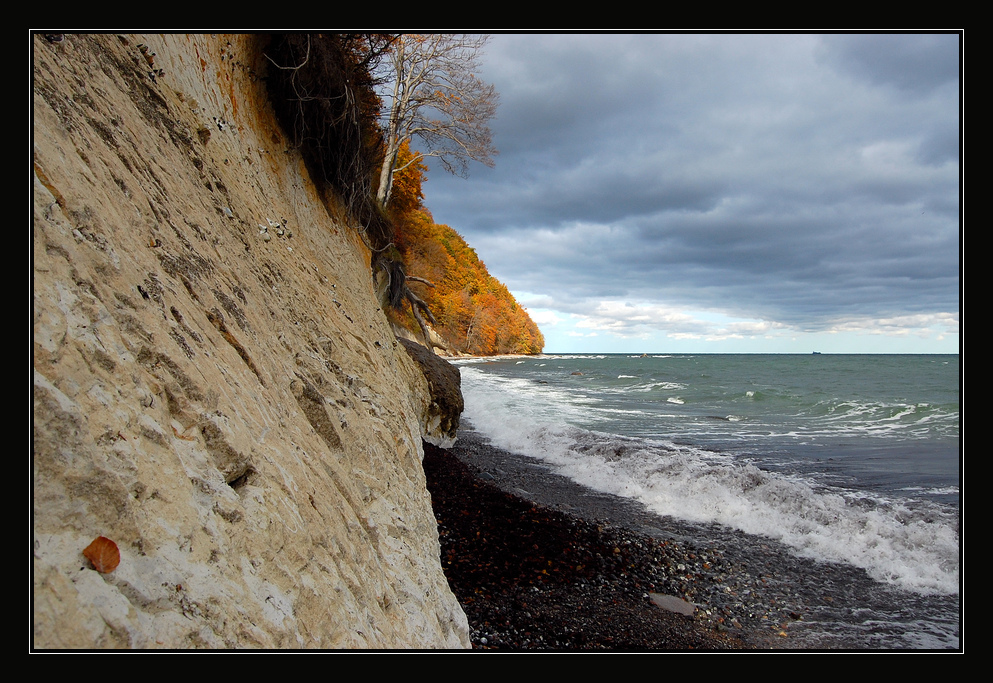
(324, 89)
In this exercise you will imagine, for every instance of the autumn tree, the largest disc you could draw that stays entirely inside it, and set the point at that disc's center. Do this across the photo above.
(430, 92)
(407, 195)
(474, 312)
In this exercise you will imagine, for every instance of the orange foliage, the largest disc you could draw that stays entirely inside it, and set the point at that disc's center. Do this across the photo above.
(476, 313)
(406, 194)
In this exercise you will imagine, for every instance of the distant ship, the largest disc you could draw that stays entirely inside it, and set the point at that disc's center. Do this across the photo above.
(817, 353)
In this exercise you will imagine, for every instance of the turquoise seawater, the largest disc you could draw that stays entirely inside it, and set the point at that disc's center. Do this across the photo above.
(852, 459)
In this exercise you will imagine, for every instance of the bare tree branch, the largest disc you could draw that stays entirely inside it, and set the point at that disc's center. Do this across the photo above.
(417, 306)
(436, 97)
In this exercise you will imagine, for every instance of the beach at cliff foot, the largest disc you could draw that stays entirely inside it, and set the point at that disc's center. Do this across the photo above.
(795, 503)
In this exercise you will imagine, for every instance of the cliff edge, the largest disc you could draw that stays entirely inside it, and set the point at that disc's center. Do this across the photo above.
(216, 389)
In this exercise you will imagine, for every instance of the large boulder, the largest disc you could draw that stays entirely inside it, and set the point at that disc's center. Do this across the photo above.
(441, 418)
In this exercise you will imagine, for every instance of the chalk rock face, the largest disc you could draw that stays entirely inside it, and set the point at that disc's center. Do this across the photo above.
(441, 416)
(215, 387)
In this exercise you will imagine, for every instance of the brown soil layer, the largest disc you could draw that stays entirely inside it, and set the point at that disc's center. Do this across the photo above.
(531, 577)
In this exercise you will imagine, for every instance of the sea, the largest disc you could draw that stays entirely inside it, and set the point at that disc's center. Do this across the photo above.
(850, 461)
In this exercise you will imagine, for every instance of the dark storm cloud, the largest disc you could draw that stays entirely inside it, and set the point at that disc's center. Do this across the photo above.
(918, 63)
(795, 179)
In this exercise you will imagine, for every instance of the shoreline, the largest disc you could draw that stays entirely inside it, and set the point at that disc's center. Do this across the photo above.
(509, 526)
(541, 563)
(803, 581)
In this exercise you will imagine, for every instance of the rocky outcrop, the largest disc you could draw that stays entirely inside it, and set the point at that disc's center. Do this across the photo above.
(441, 416)
(438, 343)
(215, 387)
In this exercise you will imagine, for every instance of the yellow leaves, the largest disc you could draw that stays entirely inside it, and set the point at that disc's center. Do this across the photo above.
(476, 313)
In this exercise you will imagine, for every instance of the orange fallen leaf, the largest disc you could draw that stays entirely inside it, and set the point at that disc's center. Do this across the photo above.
(104, 555)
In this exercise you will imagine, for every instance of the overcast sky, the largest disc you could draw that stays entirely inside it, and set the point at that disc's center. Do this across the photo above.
(722, 193)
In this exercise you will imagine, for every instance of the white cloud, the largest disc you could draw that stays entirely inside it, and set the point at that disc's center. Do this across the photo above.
(544, 317)
(921, 324)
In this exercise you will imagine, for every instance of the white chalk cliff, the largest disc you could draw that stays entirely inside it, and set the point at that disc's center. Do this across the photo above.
(216, 388)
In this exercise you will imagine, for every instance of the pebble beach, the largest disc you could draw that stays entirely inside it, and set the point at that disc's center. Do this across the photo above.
(540, 563)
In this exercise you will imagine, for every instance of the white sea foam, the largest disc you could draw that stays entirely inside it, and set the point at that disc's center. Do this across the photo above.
(670, 386)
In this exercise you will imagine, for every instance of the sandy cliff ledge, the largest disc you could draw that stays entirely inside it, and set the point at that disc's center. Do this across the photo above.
(215, 387)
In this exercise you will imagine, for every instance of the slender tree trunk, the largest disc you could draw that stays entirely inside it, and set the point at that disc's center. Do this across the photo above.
(386, 176)
(468, 332)
(437, 99)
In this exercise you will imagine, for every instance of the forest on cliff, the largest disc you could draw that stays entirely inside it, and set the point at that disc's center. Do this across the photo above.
(475, 313)
(329, 91)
